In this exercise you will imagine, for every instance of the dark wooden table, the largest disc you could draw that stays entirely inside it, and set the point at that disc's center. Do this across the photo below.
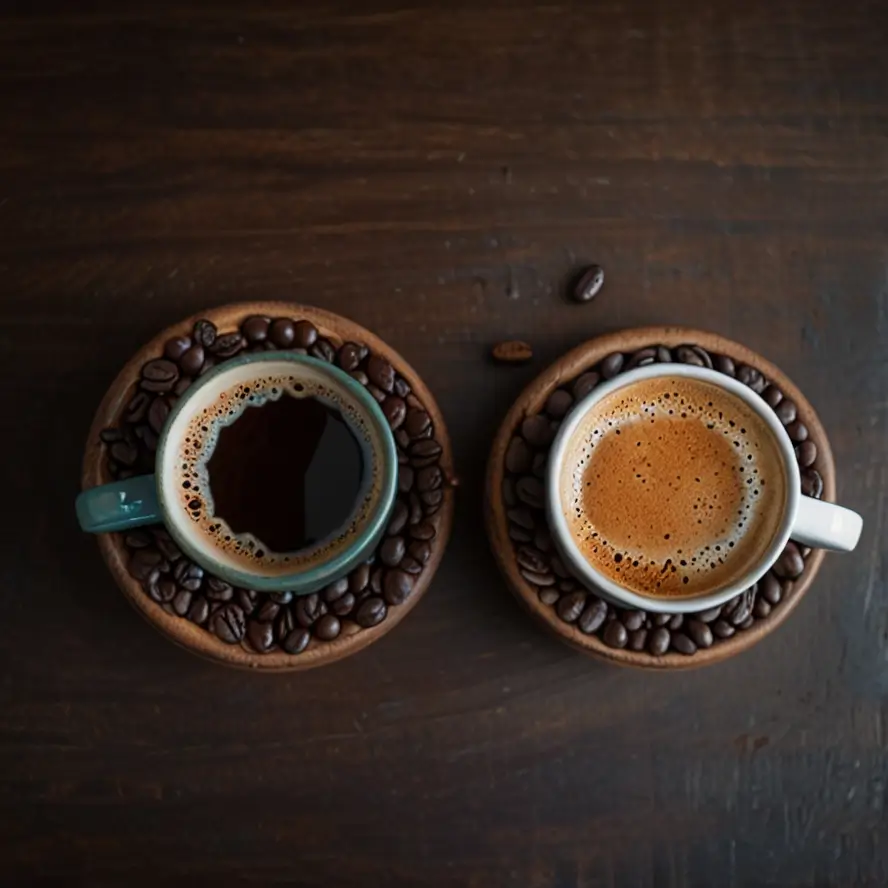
(437, 171)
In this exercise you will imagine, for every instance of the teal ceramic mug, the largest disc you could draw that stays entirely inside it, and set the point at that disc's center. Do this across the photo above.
(179, 493)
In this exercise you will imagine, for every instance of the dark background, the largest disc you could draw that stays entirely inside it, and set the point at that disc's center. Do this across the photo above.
(436, 171)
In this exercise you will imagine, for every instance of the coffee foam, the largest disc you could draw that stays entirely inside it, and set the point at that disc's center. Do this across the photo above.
(673, 487)
(192, 483)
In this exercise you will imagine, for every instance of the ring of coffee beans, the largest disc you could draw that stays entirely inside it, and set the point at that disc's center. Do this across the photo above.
(261, 622)
(649, 634)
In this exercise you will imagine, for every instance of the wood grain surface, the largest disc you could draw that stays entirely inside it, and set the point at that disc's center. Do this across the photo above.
(438, 171)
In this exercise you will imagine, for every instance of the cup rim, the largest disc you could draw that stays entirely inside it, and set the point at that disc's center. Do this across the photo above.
(313, 578)
(591, 577)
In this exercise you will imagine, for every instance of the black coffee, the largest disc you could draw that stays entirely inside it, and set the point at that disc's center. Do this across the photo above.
(287, 472)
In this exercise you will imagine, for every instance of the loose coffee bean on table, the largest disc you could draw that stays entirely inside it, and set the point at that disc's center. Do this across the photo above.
(266, 622)
(512, 352)
(589, 284)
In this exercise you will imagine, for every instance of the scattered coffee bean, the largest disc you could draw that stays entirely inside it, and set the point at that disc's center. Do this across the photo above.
(751, 377)
(537, 579)
(282, 333)
(138, 539)
(124, 453)
(406, 477)
(411, 565)
(589, 284)
(676, 621)
(429, 478)
(144, 561)
(219, 590)
(512, 352)
(664, 355)
(571, 606)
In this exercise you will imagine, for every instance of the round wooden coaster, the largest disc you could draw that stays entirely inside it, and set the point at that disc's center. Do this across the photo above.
(531, 402)
(179, 629)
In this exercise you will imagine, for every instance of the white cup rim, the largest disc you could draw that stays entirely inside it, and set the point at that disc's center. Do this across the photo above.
(593, 578)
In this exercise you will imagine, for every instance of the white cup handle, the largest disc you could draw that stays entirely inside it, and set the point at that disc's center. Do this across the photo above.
(826, 525)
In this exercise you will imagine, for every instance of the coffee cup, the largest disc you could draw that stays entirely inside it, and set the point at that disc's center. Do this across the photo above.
(275, 472)
(674, 488)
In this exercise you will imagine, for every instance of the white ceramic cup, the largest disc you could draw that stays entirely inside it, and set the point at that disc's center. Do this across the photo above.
(806, 520)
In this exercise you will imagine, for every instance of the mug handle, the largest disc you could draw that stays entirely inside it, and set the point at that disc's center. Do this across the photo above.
(119, 506)
(826, 526)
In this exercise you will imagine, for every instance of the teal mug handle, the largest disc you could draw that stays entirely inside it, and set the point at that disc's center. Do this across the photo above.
(119, 506)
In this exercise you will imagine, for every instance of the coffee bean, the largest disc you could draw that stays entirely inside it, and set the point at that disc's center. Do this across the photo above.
(359, 376)
(138, 539)
(181, 386)
(615, 635)
(638, 640)
(395, 410)
(770, 589)
(532, 559)
(376, 580)
(402, 387)
(165, 591)
(392, 551)
(786, 411)
(158, 413)
(660, 619)
(398, 518)
(684, 354)
(219, 590)
(174, 348)
(703, 355)
(658, 641)
(229, 624)
(417, 422)
(255, 329)
(676, 621)
(411, 566)
(284, 624)
(297, 641)
(124, 453)
(537, 579)
(761, 609)
(518, 456)
(708, 616)
(700, 633)
(268, 612)
(549, 595)
(522, 517)
(137, 408)
(725, 365)
(772, 395)
(425, 531)
(188, 575)
(559, 569)
(513, 351)
(747, 623)
(420, 551)
(228, 346)
(371, 612)
(633, 619)
(537, 431)
(429, 478)
(589, 284)
(571, 606)
(397, 586)
(260, 636)
(305, 334)
(431, 501)
(146, 436)
(381, 373)
(722, 629)
(282, 334)
(342, 607)
(559, 403)
(377, 393)
(812, 483)
(416, 510)
(424, 452)
(530, 490)
(159, 375)
(323, 350)
(328, 627)
(593, 616)
(309, 609)
(743, 608)
(664, 355)
(359, 579)
(181, 602)
(199, 610)
(406, 477)
(790, 565)
(683, 644)
(111, 435)
(584, 384)
(143, 561)
(281, 597)
(204, 333)
(751, 377)
(806, 454)
(642, 358)
(797, 431)
(612, 365)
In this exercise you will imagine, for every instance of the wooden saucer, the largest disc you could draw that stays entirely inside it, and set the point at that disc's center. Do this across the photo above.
(180, 630)
(531, 401)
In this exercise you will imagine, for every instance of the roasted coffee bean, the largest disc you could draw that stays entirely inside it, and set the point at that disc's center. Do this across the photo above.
(664, 355)
(420, 551)
(199, 610)
(403, 459)
(181, 386)
(429, 478)
(531, 491)
(722, 629)
(797, 432)
(540, 464)
(770, 589)
(359, 376)
(397, 586)
(167, 546)
(204, 333)
(416, 511)
(395, 410)
(532, 559)
(772, 395)
(111, 435)
(282, 334)
(284, 624)
(707, 616)
(642, 358)
(371, 612)
(281, 597)
(174, 348)
(260, 636)
(342, 607)
(559, 568)
(571, 606)
(751, 377)
(137, 409)
(392, 551)
(349, 357)
(786, 411)
(431, 501)
(335, 590)
(612, 365)
(518, 456)
(159, 375)
(163, 591)
(255, 329)
(146, 436)
(158, 413)
(806, 454)
(192, 360)
(377, 393)
(424, 531)
(305, 334)
(424, 452)
(247, 599)
(143, 561)
(615, 635)
(812, 483)
(381, 372)
(323, 350)
(376, 580)
(584, 384)
(522, 517)
(124, 453)
(510, 498)
(633, 619)
(542, 539)
(359, 579)
(593, 616)
(229, 624)
(589, 284)
(549, 595)
(138, 539)
(638, 640)
(309, 609)
(398, 518)
(297, 641)
(188, 575)
(512, 351)
(683, 644)
(700, 633)
(537, 579)
(537, 431)
(181, 602)
(402, 387)
(685, 354)
(411, 565)
(743, 608)
(417, 422)
(790, 565)
(747, 623)
(703, 355)
(660, 619)
(219, 590)
(761, 608)
(658, 641)
(559, 403)
(725, 365)
(406, 477)
(676, 621)
(268, 612)
(228, 346)
(328, 627)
